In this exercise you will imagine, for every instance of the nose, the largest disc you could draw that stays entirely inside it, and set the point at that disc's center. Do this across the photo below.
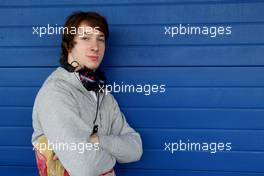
(94, 45)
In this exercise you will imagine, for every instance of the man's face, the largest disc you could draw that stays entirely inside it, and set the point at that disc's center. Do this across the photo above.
(89, 47)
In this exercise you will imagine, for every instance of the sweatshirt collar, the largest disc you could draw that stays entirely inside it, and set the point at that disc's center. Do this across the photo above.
(74, 79)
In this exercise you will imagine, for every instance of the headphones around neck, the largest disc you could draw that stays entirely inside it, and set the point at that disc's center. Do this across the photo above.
(92, 80)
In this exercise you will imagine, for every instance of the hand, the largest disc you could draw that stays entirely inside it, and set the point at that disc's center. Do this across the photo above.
(55, 157)
(94, 139)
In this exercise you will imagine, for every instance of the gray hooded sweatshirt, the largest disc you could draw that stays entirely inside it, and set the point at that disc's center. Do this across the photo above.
(64, 112)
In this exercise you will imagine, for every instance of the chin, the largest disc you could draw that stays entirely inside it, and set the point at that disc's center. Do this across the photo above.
(93, 66)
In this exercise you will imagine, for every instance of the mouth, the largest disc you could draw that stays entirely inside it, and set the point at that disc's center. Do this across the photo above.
(93, 58)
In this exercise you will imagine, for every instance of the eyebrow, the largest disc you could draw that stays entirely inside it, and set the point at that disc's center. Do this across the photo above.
(101, 35)
(89, 33)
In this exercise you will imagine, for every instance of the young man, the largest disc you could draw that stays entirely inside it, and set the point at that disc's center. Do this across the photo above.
(71, 110)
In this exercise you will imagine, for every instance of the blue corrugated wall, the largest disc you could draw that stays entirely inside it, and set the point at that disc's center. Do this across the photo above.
(214, 85)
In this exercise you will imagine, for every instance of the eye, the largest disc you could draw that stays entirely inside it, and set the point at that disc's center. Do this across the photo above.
(101, 39)
(85, 38)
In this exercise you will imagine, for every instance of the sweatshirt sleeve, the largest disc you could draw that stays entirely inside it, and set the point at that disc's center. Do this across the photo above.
(59, 117)
(124, 143)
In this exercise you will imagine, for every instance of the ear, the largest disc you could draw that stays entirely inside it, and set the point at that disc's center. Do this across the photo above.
(69, 46)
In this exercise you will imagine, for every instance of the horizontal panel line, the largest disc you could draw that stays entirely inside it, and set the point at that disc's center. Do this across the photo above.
(28, 67)
(198, 107)
(16, 147)
(163, 107)
(175, 23)
(238, 86)
(222, 2)
(200, 44)
(195, 108)
(20, 106)
(155, 150)
(231, 151)
(167, 129)
(181, 66)
(14, 127)
(219, 107)
(32, 46)
(142, 66)
(22, 165)
(147, 45)
(126, 46)
(157, 108)
(175, 129)
(20, 126)
(147, 24)
(16, 107)
(173, 87)
(147, 169)
(17, 166)
(19, 87)
(190, 170)
(200, 129)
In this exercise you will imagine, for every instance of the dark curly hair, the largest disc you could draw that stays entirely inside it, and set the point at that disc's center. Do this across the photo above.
(74, 21)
